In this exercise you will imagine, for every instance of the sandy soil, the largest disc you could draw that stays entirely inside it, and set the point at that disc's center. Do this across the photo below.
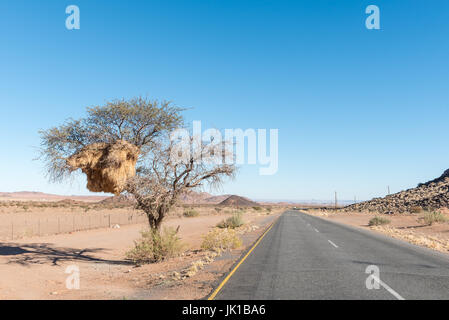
(34, 268)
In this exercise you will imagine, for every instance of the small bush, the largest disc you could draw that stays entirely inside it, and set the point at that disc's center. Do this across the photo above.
(257, 208)
(433, 217)
(233, 222)
(219, 239)
(191, 213)
(377, 221)
(217, 209)
(415, 209)
(155, 246)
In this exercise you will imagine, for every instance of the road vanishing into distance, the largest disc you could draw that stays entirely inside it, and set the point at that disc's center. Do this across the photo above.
(305, 257)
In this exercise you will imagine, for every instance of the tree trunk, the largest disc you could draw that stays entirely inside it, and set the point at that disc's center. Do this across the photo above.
(151, 219)
(155, 219)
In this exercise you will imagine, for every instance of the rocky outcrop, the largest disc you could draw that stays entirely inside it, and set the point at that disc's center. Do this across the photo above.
(431, 195)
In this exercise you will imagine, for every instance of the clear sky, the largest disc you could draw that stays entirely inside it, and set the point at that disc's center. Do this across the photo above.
(356, 109)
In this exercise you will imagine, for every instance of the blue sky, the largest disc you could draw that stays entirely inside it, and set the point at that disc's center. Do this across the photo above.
(356, 109)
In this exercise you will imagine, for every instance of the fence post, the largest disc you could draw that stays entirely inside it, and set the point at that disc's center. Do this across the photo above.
(109, 217)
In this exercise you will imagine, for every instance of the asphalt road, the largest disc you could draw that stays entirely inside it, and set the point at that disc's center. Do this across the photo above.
(305, 257)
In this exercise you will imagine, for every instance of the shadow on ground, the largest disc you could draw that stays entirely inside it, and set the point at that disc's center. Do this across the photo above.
(42, 253)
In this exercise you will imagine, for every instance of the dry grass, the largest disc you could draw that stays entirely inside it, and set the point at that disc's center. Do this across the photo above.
(107, 166)
(377, 221)
(411, 236)
(155, 246)
(233, 222)
(191, 213)
(221, 239)
(430, 218)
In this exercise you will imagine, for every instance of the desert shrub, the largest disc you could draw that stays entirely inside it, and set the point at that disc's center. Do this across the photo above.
(377, 221)
(155, 246)
(415, 209)
(217, 209)
(433, 217)
(257, 208)
(191, 213)
(221, 239)
(269, 209)
(233, 222)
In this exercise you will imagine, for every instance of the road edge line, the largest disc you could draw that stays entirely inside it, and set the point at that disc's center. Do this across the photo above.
(221, 285)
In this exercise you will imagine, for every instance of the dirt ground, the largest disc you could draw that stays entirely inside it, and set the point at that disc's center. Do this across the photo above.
(35, 267)
(408, 227)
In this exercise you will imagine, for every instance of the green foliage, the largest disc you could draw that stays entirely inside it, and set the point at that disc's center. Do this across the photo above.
(257, 208)
(430, 218)
(155, 246)
(233, 222)
(377, 221)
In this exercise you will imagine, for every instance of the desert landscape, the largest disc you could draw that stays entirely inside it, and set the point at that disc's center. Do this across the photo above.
(418, 215)
(99, 249)
(223, 155)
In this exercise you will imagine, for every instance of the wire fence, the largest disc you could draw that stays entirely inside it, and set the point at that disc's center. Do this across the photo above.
(32, 226)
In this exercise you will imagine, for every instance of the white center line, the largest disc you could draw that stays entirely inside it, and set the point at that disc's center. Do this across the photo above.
(316, 230)
(387, 287)
(333, 244)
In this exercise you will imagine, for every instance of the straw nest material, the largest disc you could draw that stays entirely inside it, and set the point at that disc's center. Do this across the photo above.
(107, 166)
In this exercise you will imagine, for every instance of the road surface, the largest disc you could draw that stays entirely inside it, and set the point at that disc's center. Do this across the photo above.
(305, 257)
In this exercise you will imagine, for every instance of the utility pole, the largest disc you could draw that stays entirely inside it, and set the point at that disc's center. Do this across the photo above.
(388, 190)
(355, 199)
(335, 199)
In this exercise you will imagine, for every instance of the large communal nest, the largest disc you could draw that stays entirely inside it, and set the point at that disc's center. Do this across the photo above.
(107, 166)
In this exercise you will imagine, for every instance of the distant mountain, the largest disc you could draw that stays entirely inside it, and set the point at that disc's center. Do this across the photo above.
(40, 196)
(190, 197)
(237, 201)
(193, 197)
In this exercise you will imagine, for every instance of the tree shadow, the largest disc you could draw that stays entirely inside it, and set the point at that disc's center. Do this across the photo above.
(42, 253)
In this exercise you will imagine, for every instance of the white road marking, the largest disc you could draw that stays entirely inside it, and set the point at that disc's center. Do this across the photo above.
(333, 244)
(316, 230)
(387, 287)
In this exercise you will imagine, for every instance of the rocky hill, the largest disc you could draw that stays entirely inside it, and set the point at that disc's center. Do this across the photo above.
(193, 197)
(431, 195)
(237, 201)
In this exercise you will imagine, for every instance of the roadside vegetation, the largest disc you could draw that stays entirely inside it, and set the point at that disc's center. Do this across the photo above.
(191, 213)
(378, 221)
(221, 239)
(430, 218)
(156, 246)
(232, 222)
